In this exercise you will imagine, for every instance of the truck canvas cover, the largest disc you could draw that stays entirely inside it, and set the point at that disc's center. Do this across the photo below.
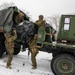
(6, 18)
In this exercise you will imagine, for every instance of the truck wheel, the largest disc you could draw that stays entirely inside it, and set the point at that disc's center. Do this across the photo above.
(63, 64)
(2, 48)
(17, 49)
(1, 53)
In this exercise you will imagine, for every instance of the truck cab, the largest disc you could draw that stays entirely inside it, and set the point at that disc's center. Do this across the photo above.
(63, 49)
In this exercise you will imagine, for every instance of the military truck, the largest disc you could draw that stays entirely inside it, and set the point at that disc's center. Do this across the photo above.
(7, 23)
(63, 49)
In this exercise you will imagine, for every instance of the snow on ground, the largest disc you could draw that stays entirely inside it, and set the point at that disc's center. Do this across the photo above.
(21, 65)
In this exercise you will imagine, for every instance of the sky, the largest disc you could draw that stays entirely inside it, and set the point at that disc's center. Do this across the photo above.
(44, 7)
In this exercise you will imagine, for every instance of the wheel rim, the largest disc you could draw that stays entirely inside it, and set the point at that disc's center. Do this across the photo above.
(65, 66)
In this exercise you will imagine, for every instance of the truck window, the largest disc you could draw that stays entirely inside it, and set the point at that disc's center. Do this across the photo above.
(66, 23)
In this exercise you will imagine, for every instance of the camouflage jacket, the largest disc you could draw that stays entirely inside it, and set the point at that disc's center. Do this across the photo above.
(40, 22)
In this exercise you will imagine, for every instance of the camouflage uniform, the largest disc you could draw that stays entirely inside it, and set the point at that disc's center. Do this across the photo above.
(32, 45)
(34, 52)
(9, 43)
(40, 22)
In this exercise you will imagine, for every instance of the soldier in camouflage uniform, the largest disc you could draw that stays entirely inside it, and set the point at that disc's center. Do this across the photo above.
(40, 22)
(32, 43)
(34, 51)
(9, 43)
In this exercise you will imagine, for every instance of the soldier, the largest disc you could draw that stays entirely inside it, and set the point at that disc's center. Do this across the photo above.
(9, 43)
(34, 51)
(32, 43)
(40, 22)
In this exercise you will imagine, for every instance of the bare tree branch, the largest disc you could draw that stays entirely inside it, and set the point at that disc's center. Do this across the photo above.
(6, 5)
(54, 20)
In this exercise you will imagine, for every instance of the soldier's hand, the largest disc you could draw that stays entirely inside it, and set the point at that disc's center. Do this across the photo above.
(14, 31)
(10, 40)
(35, 36)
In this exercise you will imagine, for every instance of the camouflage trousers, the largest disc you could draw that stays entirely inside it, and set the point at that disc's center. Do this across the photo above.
(9, 43)
(34, 52)
(10, 50)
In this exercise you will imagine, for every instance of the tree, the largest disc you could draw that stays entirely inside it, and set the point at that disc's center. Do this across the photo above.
(54, 21)
(6, 5)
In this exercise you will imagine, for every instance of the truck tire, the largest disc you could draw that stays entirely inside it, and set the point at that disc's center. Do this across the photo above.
(17, 49)
(1, 53)
(63, 64)
(2, 48)
(2, 44)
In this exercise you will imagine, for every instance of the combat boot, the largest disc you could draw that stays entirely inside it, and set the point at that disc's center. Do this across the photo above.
(34, 67)
(8, 66)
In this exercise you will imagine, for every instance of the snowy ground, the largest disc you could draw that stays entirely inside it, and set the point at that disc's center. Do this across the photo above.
(21, 65)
